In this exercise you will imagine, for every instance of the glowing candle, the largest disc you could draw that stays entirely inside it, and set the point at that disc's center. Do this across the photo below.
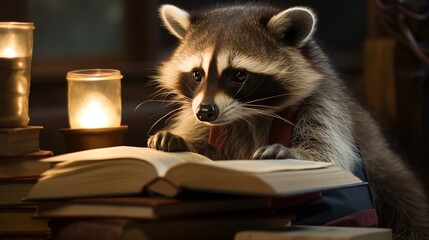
(95, 114)
(9, 52)
(16, 48)
(94, 98)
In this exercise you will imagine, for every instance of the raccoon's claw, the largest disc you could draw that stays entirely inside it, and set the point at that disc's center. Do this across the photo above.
(275, 151)
(167, 142)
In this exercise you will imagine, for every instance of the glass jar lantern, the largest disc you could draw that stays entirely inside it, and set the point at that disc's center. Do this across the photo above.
(16, 50)
(94, 98)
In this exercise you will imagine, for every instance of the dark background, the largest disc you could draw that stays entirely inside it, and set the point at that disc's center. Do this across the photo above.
(127, 35)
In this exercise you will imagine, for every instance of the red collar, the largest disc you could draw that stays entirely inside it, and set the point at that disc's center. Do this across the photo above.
(281, 131)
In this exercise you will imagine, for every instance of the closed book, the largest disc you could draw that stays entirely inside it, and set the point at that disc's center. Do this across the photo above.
(147, 208)
(19, 222)
(207, 228)
(317, 233)
(14, 190)
(25, 165)
(18, 141)
(121, 171)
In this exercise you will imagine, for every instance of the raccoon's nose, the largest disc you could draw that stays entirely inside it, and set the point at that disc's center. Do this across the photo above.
(207, 112)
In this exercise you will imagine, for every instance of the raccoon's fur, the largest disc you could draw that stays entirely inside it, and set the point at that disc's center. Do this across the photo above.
(236, 66)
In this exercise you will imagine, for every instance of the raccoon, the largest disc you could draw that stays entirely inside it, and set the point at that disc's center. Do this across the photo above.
(238, 66)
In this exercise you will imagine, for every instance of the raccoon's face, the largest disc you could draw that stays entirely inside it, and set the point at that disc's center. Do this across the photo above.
(239, 62)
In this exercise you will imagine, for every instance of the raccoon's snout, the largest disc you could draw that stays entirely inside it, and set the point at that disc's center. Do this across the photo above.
(207, 112)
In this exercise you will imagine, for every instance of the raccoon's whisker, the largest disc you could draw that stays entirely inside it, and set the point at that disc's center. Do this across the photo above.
(189, 89)
(274, 115)
(139, 105)
(283, 119)
(266, 98)
(162, 94)
(243, 116)
(254, 89)
(260, 106)
(188, 117)
(175, 96)
(158, 114)
(154, 100)
(247, 121)
(171, 116)
(240, 88)
(172, 112)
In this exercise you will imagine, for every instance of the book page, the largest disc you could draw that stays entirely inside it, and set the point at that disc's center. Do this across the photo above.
(93, 178)
(162, 161)
(263, 166)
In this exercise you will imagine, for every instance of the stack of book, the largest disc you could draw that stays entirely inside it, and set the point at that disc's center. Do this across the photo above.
(140, 193)
(19, 171)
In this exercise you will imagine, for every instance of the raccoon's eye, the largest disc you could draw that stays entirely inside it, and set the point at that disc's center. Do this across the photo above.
(196, 75)
(239, 76)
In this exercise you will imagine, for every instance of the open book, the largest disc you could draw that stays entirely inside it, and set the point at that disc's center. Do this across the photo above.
(121, 171)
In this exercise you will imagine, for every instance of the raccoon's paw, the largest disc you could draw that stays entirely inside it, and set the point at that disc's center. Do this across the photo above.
(275, 151)
(167, 142)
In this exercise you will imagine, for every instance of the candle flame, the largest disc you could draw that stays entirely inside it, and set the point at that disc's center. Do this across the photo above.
(93, 116)
(9, 52)
(94, 110)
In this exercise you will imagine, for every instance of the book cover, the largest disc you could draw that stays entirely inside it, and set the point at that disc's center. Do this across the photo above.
(317, 233)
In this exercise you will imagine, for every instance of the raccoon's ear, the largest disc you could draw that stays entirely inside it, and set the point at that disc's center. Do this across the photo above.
(294, 25)
(175, 20)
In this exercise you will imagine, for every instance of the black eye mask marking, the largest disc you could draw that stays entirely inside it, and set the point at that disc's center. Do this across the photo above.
(252, 87)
